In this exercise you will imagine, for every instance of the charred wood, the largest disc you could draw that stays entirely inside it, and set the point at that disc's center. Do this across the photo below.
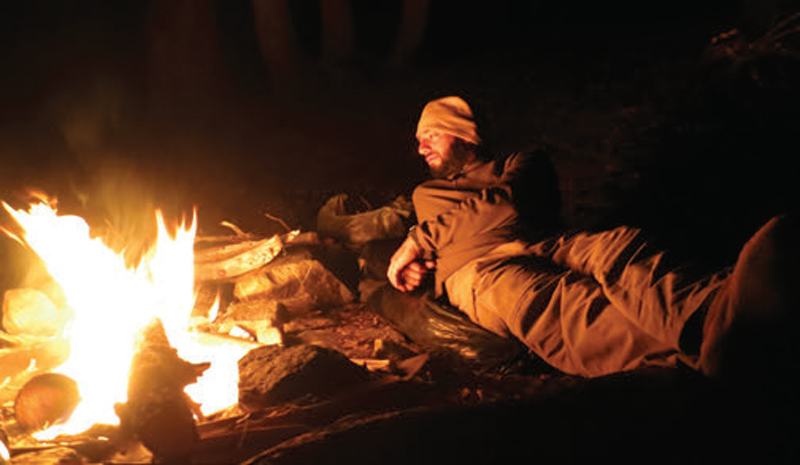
(158, 412)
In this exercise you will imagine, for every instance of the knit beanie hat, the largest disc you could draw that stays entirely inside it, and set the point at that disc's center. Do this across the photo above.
(450, 115)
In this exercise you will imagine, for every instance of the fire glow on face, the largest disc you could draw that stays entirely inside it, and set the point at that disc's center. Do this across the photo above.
(112, 301)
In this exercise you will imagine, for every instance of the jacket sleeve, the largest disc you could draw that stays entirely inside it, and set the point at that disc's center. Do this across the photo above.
(522, 200)
(466, 212)
(469, 221)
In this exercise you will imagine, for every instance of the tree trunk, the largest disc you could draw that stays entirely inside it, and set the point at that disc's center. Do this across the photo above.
(277, 41)
(184, 59)
(337, 31)
(412, 30)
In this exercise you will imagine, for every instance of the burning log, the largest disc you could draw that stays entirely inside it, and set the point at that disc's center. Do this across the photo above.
(158, 412)
(45, 400)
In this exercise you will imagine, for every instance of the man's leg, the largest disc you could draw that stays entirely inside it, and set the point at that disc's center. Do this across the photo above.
(741, 313)
(561, 315)
(757, 325)
(650, 290)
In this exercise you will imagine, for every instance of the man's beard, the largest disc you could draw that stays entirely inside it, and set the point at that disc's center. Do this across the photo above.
(453, 162)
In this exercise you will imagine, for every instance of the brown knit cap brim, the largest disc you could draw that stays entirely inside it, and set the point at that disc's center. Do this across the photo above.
(450, 115)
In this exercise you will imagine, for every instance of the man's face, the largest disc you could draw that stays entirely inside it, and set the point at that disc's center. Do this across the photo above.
(441, 153)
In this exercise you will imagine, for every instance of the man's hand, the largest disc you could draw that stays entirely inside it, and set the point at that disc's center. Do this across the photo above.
(406, 268)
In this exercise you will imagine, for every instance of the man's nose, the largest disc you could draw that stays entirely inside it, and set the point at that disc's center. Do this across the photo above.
(423, 149)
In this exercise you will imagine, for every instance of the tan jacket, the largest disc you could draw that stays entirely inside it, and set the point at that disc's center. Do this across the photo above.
(469, 214)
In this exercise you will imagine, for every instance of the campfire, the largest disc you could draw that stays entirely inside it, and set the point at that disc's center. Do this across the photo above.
(109, 304)
(148, 359)
(205, 349)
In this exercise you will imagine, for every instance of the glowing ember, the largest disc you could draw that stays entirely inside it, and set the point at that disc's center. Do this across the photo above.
(112, 301)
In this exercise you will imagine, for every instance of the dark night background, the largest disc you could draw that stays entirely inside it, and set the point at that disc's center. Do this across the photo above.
(117, 108)
(99, 97)
(93, 90)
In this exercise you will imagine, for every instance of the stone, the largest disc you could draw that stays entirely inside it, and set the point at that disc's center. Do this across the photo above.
(271, 375)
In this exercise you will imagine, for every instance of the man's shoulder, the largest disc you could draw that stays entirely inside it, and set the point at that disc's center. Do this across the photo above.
(521, 161)
(531, 153)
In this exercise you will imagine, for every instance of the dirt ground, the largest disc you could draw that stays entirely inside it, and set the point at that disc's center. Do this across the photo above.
(636, 133)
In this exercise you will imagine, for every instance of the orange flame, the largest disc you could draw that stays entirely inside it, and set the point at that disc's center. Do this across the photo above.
(112, 301)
